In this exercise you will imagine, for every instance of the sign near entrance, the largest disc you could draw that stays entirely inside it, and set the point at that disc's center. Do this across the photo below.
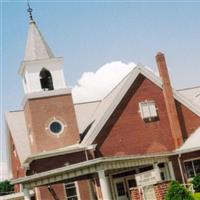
(148, 178)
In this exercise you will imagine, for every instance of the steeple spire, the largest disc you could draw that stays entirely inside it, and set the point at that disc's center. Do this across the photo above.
(36, 46)
(40, 69)
(29, 10)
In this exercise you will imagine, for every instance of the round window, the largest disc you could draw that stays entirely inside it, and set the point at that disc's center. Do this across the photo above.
(56, 127)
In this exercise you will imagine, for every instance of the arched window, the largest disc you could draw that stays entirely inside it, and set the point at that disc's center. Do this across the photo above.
(46, 80)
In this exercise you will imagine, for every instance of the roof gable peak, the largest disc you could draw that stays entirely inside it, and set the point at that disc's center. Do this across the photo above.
(111, 101)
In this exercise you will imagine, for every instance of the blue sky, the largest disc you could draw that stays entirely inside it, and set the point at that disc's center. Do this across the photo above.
(89, 35)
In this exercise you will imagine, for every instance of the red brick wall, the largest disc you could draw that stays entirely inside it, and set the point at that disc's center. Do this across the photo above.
(135, 194)
(188, 120)
(44, 194)
(126, 133)
(17, 170)
(39, 112)
(159, 188)
(84, 190)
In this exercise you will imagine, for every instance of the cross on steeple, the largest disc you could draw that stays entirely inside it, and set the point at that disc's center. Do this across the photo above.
(29, 10)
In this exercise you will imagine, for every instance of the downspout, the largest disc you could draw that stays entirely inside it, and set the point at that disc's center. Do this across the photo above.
(181, 169)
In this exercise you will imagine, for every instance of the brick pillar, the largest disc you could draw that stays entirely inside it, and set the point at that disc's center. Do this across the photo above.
(161, 189)
(169, 100)
(135, 194)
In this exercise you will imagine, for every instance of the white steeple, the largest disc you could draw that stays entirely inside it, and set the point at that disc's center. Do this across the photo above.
(41, 70)
(36, 46)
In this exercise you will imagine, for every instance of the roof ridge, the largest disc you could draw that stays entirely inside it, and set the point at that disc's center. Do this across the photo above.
(188, 88)
(120, 82)
(86, 102)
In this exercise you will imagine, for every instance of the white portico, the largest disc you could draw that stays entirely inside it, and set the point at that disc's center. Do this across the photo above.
(113, 173)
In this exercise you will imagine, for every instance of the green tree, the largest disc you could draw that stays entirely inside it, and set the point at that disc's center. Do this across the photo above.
(196, 183)
(177, 192)
(5, 188)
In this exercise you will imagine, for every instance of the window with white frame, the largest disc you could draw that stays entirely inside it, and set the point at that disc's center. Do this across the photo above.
(192, 168)
(71, 191)
(148, 110)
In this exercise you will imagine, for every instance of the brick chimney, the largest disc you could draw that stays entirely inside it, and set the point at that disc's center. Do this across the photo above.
(169, 100)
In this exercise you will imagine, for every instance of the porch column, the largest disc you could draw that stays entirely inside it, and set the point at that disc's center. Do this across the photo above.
(157, 169)
(105, 187)
(171, 170)
(26, 194)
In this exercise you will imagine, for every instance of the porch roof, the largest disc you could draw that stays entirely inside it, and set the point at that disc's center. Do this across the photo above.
(15, 196)
(89, 167)
(192, 143)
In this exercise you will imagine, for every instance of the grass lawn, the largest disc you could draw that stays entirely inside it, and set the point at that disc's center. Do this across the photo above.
(197, 196)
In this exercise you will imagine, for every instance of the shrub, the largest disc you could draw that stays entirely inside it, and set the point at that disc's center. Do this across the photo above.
(177, 192)
(196, 183)
(5, 188)
(196, 196)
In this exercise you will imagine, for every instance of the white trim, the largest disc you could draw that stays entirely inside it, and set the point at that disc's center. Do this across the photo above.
(187, 150)
(66, 150)
(96, 164)
(43, 94)
(77, 190)
(171, 170)
(131, 77)
(39, 61)
(194, 170)
(104, 184)
(15, 196)
(181, 169)
(76, 187)
(196, 158)
(63, 126)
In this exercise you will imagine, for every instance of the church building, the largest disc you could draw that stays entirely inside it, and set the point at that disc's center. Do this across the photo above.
(127, 146)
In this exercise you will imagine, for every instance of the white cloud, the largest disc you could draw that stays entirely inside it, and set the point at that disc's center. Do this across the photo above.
(95, 85)
(3, 171)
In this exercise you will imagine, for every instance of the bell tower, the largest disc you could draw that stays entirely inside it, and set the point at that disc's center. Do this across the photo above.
(48, 106)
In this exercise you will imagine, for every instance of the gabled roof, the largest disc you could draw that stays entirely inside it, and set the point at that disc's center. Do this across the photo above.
(193, 142)
(18, 130)
(84, 113)
(97, 112)
(192, 94)
(36, 46)
(110, 102)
